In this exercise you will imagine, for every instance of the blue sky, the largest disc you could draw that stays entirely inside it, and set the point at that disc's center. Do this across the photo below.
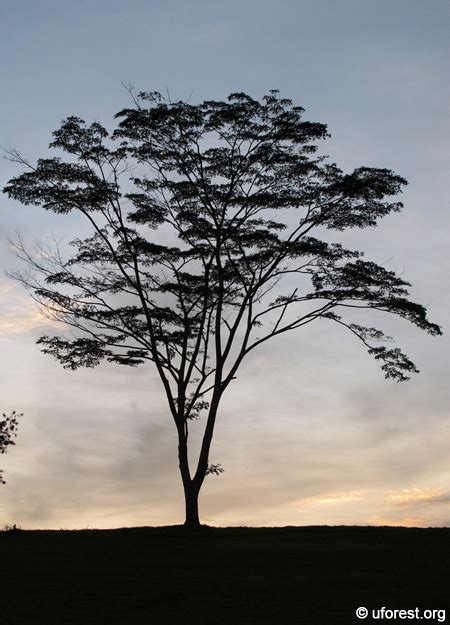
(329, 442)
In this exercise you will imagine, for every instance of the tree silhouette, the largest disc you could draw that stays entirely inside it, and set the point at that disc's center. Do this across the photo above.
(201, 247)
(8, 432)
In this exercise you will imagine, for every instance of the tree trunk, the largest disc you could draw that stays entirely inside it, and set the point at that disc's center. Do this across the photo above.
(193, 485)
(191, 488)
(191, 501)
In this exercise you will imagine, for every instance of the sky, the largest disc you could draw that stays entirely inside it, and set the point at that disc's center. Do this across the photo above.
(310, 432)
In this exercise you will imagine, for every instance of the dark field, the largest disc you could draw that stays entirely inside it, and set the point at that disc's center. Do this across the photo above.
(215, 576)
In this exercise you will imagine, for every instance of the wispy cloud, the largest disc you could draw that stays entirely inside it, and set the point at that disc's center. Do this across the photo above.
(416, 495)
(402, 497)
(18, 313)
(332, 498)
(403, 522)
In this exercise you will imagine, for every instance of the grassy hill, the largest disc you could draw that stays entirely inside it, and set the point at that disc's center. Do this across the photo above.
(220, 576)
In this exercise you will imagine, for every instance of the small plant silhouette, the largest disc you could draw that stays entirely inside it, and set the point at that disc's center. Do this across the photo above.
(8, 432)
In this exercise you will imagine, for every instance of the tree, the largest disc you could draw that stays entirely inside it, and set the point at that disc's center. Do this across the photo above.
(201, 247)
(8, 431)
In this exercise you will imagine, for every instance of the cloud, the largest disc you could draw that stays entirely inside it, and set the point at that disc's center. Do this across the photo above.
(332, 498)
(403, 522)
(415, 495)
(18, 313)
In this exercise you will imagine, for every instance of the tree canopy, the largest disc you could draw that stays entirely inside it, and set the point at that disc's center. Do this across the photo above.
(210, 230)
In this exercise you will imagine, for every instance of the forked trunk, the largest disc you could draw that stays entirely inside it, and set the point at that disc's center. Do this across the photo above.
(191, 489)
(193, 485)
(191, 501)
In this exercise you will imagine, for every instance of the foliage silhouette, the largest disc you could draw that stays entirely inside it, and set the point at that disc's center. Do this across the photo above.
(8, 432)
(208, 237)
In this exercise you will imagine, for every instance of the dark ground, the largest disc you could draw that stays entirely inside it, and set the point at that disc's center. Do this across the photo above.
(215, 576)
